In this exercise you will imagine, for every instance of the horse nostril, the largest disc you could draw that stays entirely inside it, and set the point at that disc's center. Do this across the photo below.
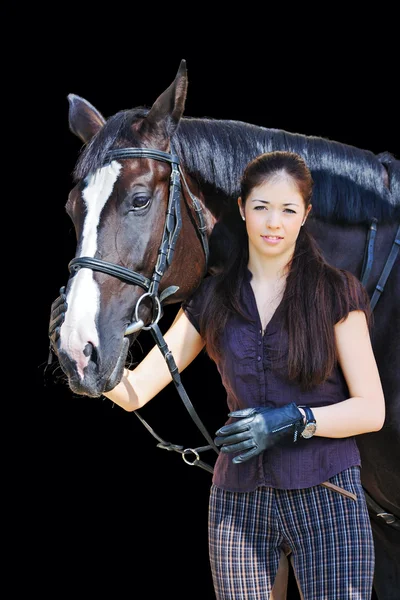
(88, 350)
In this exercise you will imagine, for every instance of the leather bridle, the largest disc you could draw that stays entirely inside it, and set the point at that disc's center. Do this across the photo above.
(172, 227)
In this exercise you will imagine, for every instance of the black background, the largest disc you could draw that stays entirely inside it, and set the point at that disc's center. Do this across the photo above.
(117, 514)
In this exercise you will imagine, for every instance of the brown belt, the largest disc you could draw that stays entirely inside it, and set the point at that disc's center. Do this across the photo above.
(339, 489)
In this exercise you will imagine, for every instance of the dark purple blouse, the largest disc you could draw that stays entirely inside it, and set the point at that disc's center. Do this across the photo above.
(251, 372)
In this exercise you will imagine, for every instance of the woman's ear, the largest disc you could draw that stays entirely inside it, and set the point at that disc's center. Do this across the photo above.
(241, 208)
(307, 213)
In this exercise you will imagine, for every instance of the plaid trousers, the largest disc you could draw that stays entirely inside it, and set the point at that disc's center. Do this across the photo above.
(327, 534)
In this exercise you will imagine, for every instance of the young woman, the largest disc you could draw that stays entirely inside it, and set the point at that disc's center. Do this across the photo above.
(290, 337)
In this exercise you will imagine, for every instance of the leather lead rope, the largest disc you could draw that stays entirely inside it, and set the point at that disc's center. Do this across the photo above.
(176, 378)
(174, 447)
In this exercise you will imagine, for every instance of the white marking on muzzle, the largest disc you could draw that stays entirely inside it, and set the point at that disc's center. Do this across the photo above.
(79, 327)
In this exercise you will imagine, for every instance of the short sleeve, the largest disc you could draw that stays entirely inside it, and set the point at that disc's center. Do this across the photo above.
(193, 305)
(354, 297)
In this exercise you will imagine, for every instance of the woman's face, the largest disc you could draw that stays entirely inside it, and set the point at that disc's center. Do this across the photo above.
(274, 213)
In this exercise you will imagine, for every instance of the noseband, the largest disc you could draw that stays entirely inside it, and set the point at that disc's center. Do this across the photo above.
(172, 227)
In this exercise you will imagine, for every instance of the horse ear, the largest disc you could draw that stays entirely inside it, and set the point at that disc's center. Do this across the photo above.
(169, 106)
(84, 120)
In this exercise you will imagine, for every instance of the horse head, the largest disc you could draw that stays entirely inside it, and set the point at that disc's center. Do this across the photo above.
(141, 234)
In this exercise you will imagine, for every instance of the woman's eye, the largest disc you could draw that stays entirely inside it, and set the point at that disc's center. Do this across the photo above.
(140, 202)
(262, 207)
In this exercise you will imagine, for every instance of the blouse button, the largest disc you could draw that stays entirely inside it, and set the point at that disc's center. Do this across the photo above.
(259, 343)
(258, 358)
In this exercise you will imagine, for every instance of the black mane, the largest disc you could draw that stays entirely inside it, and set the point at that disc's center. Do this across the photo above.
(349, 182)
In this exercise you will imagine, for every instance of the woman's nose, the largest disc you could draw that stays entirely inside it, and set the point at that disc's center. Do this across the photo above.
(273, 218)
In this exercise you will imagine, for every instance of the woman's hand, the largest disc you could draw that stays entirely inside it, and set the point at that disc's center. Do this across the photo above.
(57, 316)
(257, 429)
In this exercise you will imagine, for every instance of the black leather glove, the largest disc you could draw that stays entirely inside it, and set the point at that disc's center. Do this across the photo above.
(257, 429)
(57, 316)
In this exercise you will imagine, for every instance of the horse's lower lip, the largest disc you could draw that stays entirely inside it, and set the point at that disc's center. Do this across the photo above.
(117, 373)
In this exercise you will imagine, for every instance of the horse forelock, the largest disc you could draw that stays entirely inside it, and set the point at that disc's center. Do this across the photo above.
(349, 185)
(116, 131)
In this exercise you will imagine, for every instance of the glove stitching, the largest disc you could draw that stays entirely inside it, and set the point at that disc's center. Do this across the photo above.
(283, 427)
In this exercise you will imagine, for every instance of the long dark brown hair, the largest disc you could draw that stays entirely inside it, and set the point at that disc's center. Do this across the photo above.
(316, 296)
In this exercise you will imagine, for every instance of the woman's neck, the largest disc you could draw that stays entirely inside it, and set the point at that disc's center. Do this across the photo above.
(269, 269)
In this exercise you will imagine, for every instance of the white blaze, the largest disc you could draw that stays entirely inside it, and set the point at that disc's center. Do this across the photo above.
(79, 327)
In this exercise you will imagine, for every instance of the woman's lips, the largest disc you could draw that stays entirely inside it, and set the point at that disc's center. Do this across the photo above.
(271, 239)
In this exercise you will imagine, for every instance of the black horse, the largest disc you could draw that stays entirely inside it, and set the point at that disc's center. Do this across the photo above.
(153, 202)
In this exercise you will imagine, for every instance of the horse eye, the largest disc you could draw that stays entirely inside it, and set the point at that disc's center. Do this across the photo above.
(140, 202)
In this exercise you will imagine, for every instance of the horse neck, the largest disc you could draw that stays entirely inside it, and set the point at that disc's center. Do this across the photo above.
(345, 246)
(349, 182)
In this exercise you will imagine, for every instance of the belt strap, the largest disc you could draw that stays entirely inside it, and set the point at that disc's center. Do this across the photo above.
(340, 490)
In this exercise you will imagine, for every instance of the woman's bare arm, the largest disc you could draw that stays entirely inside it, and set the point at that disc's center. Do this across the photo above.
(152, 375)
(364, 411)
